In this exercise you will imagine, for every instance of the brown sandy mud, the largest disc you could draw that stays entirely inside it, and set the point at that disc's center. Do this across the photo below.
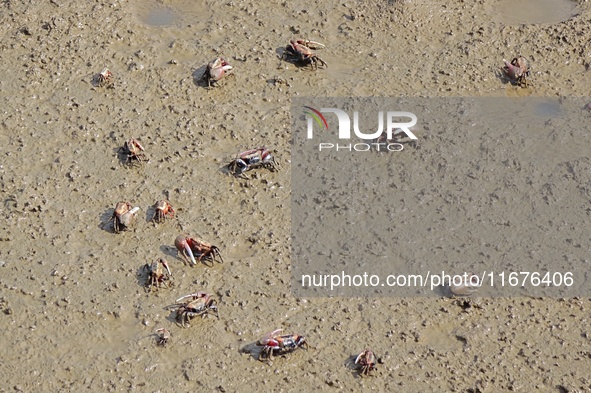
(75, 313)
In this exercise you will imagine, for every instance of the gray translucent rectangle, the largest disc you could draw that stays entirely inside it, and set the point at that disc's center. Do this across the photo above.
(498, 187)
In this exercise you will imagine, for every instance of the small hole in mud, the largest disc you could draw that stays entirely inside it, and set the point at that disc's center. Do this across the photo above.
(534, 11)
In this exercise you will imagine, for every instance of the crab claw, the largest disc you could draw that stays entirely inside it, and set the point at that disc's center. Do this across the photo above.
(196, 295)
(512, 71)
(128, 218)
(361, 355)
(218, 68)
(311, 44)
(218, 73)
(268, 338)
(165, 264)
(182, 245)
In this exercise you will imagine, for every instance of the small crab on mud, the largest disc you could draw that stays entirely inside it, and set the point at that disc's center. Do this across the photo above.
(216, 70)
(134, 151)
(193, 305)
(124, 216)
(300, 53)
(104, 78)
(517, 70)
(163, 336)
(162, 210)
(252, 159)
(466, 286)
(367, 361)
(191, 247)
(156, 275)
(382, 143)
(274, 342)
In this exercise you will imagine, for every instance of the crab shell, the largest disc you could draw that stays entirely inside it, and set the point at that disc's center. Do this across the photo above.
(367, 361)
(366, 358)
(163, 209)
(105, 74)
(134, 146)
(122, 208)
(217, 68)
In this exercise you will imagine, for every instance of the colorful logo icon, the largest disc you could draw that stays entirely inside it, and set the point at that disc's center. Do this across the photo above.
(316, 115)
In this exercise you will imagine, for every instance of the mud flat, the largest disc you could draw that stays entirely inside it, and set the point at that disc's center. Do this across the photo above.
(75, 314)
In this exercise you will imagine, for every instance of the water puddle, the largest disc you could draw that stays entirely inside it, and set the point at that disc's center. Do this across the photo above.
(534, 11)
(176, 13)
(160, 17)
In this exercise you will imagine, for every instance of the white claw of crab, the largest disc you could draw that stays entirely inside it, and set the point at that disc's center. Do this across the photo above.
(182, 298)
(190, 252)
(314, 45)
(512, 71)
(218, 73)
(192, 295)
(359, 357)
(128, 218)
(272, 334)
(167, 268)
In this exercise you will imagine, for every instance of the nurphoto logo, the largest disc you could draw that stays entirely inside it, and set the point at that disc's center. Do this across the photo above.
(380, 140)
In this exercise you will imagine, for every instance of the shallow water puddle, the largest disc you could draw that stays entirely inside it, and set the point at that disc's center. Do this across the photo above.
(160, 17)
(534, 11)
(174, 13)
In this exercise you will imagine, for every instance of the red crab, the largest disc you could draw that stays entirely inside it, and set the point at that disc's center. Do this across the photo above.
(190, 247)
(300, 52)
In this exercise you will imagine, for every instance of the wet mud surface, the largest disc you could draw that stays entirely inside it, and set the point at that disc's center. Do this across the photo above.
(74, 310)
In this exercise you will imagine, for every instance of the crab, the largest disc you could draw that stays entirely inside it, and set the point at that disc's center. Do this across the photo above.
(252, 159)
(193, 305)
(275, 342)
(367, 361)
(104, 78)
(382, 143)
(157, 276)
(124, 216)
(469, 284)
(517, 70)
(300, 52)
(163, 336)
(134, 151)
(190, 247)
(163, 209)
(216, 70)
